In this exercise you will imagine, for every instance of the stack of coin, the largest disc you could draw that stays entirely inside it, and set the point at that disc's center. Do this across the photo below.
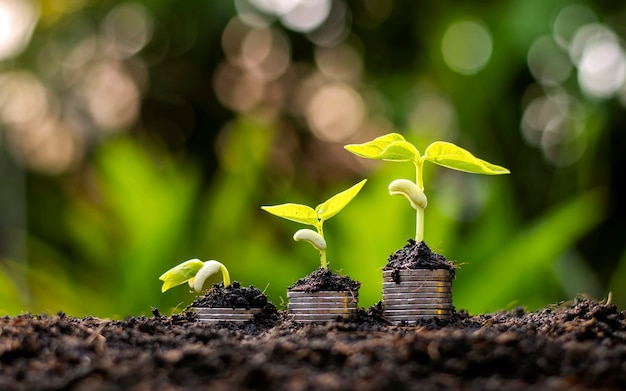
(321, 306)
(234, 315)
(417, 294)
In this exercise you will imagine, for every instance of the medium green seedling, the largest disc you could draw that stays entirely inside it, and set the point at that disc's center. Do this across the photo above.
(393, 147)
(316, 217)
(194, 272)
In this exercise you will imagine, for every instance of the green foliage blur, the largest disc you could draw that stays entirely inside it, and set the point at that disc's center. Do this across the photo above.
(137, 135)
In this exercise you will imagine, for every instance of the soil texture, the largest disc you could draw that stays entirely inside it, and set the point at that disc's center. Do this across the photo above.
(325, 280)
(418, 256)
(232, 296)
(575, 346)
(236, 296)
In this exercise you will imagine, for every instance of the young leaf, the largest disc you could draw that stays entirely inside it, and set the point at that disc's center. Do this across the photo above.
(373, 149)
(180, 274)
(400, 151)
(337, 202)
(454, 157)
(294, 212)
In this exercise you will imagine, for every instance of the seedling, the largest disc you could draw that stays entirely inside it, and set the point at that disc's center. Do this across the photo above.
(194, 272)
(315, 217)
(393, 147)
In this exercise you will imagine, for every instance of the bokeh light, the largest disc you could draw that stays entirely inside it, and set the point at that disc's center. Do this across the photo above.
(17, 21)
(466, 46)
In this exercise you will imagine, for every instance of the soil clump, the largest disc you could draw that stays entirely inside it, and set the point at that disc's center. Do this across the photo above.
(325, 280)
(418, 256)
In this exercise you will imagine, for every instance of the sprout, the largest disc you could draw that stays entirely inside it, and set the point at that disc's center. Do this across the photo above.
(393, 147)
(315, 217)
(194, 272)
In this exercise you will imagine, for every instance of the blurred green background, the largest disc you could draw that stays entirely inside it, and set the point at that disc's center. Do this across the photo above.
(137, 135)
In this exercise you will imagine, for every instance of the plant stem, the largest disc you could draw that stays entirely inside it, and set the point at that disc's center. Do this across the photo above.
(225, 275)
(323, 260)
(419, 221)
(320, 230)
(419, 225)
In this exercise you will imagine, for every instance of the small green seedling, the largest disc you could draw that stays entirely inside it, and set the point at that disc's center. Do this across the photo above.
(195, 272)
(315, 217)
(393, 147)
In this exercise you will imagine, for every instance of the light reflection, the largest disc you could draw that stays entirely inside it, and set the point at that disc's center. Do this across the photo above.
(239, 91)
(432, 113)
(335, 112)
(298, 15)
(35, 135)
(548, 63)
(569, 20)
(111, 96)
(336, 27)
(466, 46)
(555, 123)
(602, 68)
(342, 62)
(127, 28)
(17, 21)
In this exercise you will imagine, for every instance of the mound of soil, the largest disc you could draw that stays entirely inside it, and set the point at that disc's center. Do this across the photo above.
(418, 256)
(233, 296)
(578, 346)
(236, 296)
(325, 280)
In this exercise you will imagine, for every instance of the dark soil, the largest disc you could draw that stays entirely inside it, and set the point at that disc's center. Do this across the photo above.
(233, 296)
(325, 280)
(577, 346)
(418, 256)
(236, 296)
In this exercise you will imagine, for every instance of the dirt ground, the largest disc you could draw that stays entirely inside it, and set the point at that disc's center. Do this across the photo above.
(574, 346)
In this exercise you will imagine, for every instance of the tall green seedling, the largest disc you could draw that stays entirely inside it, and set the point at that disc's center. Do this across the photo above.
(316, 217)
(393, 147)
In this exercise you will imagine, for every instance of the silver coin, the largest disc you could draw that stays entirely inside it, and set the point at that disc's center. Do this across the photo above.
(422, 307)
(414, 283)
(322, 301)
(328, 311)
(415, 292)
(412, 304)
(327, 294)
(321, 305)
(422, 295)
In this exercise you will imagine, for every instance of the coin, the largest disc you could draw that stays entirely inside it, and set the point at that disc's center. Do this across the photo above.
(416, 303)
(324, 294)
(236, 315)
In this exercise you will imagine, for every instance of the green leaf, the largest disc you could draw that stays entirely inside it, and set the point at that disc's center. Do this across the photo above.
(294, 212)
(337, 202)
(454, 157)
(400, 151)
(374, 149)
(180, 274)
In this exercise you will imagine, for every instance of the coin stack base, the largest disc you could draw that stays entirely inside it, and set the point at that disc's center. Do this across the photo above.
(419, 294)
(321, 306)
(233, 315)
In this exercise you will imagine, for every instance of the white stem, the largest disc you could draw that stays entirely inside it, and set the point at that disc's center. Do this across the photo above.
(208, 269)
